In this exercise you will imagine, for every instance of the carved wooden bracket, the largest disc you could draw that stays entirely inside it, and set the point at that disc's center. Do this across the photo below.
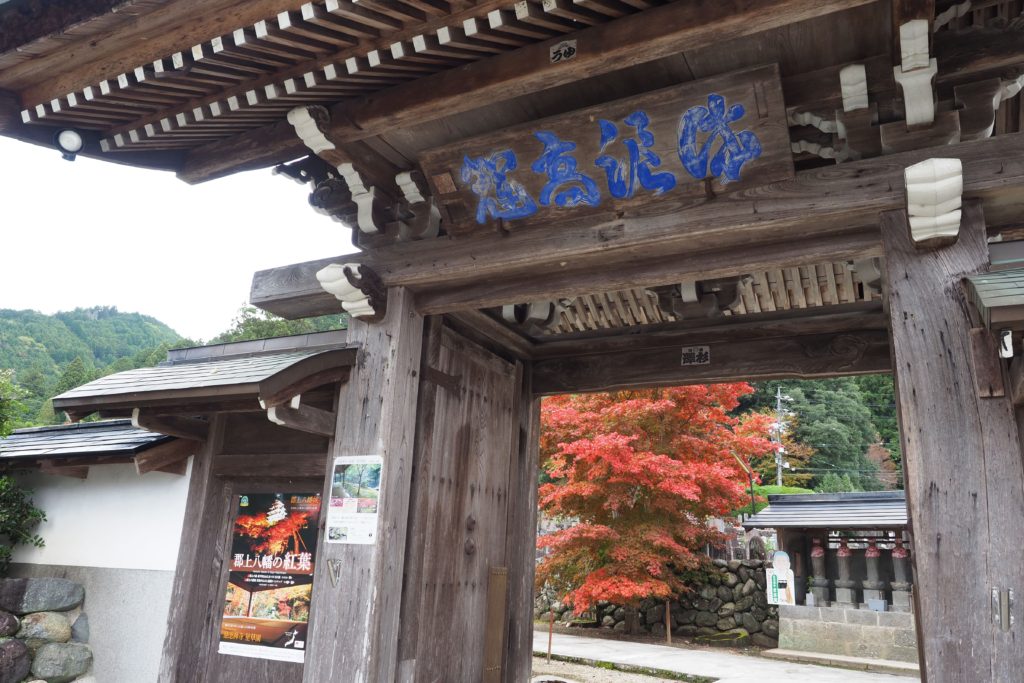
(310, 124)
(311, 170)
(349, 196)
(423, 218)
(536, 317)
(303, 418)
(916, 73)
(332, 197)
(934, 190)
(853, 82)
(705, 299)
(360, 290)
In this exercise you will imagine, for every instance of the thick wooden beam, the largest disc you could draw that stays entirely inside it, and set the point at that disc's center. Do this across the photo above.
(354, 626)
(962, 461)
(166, 455)
(60, 469)
(816, 205)
(803, 357)
(172, 425)
(731, 329)
(304, 419)
(634, 39)
(668, 267)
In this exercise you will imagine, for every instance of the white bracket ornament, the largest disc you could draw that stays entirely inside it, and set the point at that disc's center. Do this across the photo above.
(916, 73)
(426, 218)
(853, 82)
(309, 123)
(934, 194)
(359, 289)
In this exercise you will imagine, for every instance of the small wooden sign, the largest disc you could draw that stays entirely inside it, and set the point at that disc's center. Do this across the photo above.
(696, 355)
(650, 153)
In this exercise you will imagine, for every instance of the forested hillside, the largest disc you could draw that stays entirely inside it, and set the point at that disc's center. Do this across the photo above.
(51, 353)
(839, 434)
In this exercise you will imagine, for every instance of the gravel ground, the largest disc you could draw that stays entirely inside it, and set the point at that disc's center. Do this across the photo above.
(580, 673)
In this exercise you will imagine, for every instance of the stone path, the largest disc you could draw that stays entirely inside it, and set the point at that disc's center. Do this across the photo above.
(726, 666)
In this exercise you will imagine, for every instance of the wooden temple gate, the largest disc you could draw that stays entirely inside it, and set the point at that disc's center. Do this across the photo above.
(580, 195)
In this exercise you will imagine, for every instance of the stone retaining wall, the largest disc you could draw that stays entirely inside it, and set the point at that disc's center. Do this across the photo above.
(43, 632)
(851, 632)
(725, 606)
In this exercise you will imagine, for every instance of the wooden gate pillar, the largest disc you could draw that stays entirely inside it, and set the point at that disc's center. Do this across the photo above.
(357, 588)
(962, 460)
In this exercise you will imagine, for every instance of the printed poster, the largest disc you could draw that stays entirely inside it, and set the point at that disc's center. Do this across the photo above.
(355, 492)
(270, 579)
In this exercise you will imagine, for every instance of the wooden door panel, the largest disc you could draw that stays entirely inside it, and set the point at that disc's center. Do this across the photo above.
(463, 469)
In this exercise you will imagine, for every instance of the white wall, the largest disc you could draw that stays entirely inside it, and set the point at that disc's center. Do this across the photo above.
(114, 518)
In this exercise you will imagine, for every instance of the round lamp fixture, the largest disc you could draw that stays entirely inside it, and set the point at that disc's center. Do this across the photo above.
(69, 142)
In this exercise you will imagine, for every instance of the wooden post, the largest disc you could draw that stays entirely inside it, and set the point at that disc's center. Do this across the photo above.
(521, 542)
(668, 621)
(357, 589)
(962, 460)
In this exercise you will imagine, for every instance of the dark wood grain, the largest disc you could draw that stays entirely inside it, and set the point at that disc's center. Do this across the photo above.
(803, 357)
(961, 455)
(636, 39)
(462, 497)
(354, 623)
(521, 535)
(803, 211)
(988, 369)
(758, 91)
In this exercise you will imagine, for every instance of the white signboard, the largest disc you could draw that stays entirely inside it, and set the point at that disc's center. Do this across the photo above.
(355, 495)
(780, 581)
(696, 355)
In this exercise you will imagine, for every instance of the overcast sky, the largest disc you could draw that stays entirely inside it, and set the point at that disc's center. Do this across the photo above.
(91, 233)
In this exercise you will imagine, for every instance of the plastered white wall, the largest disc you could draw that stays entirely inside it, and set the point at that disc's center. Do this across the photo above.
(114, 518)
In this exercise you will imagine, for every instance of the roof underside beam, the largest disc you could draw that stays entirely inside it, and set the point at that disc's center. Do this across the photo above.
(822, 213)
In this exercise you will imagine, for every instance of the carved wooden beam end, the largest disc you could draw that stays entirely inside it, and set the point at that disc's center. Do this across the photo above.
(360, 290)
(916, 73)
(311, 124)
(537, 317)
(934, 192)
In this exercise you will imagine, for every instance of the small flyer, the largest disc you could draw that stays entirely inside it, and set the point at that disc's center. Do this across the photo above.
(355, 491)
(273, 552)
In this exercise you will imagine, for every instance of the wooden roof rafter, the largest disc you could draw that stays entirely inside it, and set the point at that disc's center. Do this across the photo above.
(325, 51)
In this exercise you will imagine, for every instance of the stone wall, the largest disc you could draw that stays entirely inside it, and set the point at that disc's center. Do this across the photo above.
(851, 632)
(725, 606)
(43, 632)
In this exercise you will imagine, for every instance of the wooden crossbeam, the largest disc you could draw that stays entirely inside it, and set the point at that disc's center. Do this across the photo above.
(171, 457)
(172, 425)
(304, 419)
(55, 467)
(813, 208)
(635, 39)
(848, 353)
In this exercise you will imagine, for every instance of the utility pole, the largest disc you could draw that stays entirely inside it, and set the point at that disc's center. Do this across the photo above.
(777, 436)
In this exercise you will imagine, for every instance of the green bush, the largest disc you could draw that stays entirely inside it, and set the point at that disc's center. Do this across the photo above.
(18, 518)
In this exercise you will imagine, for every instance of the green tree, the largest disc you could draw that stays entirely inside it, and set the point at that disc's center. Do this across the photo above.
(11, 407)
(18, 516)
(832, 418)
(879, 394)
(834, 483)
(253, 323)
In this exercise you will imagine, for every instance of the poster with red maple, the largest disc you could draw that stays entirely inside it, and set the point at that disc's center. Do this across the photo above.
(270, 580)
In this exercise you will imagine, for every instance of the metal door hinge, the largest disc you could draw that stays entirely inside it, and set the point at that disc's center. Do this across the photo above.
(1002, 608)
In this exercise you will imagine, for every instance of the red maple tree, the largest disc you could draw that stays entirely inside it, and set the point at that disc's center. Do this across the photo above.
(639, 473)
